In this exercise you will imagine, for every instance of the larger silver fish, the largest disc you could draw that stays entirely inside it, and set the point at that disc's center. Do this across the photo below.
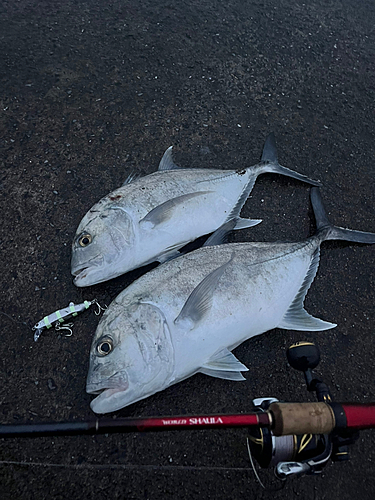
(151, 218)
(187, 315)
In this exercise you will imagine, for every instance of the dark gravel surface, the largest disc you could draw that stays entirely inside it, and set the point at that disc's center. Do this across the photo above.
(91, 91)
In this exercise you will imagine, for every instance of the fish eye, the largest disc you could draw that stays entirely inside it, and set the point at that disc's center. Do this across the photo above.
(85, 240)
(104, 347)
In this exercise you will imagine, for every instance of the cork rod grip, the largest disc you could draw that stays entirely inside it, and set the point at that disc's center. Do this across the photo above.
(302, 418)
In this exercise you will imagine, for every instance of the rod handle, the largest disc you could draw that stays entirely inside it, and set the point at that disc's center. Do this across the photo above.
(302, 418)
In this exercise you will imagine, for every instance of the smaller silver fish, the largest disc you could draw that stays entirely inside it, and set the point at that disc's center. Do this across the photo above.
(151, 218)
(60, 316)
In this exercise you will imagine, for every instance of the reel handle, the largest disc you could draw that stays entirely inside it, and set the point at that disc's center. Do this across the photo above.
(305, 356)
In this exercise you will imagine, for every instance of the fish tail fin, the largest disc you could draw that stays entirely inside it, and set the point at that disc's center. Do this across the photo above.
(270, 163)
(330, 232)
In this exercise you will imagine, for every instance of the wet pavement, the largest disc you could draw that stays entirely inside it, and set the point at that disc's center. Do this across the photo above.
(93, 91)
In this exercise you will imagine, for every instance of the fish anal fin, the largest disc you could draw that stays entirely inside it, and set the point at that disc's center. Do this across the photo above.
(163, 212)
(224, 360)
(235, 212)
(236, 376)
(221, 234)
(169, 254)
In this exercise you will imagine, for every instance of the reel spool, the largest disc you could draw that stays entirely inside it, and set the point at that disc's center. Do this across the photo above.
(269, 450)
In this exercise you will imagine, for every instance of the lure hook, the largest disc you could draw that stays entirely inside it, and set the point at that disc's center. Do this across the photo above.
(99, 307)
(66, 326)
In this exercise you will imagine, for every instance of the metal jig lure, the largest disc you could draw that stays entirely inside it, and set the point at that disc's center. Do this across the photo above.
(58, 317)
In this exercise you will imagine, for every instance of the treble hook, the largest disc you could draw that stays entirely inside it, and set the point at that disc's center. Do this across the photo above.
(66, 326)
(99, 307)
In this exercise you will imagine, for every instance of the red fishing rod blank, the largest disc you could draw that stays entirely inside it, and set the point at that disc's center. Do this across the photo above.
(359, 416)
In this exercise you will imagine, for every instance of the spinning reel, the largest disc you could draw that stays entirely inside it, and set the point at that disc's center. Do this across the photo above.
(295, 455)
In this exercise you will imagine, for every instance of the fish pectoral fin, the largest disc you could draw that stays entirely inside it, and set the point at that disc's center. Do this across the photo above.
(224, 360)
(296, 317)
(237, 376)
(167, 163)
(200, 300)
(164, 212)
(221, 234)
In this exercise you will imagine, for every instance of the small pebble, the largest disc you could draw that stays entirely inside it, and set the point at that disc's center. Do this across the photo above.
(51, 384)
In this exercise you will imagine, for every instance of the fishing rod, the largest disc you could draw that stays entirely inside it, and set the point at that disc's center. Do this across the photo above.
(294, 438)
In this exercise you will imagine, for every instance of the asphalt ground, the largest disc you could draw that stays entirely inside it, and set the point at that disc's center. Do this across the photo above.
(92, 91)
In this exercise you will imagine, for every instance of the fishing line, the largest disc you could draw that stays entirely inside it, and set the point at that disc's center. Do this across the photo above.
(123, 466)
(252, 464)
(257, 475)
(12, 319)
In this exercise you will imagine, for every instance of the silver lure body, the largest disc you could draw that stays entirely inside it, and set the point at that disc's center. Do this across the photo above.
(151, 218)
(60, 316)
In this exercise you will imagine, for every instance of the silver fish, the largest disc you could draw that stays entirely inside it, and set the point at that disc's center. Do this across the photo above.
(187, 315)
(149, 219)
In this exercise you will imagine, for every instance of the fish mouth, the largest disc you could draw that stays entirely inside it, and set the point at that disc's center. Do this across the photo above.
(79, 269)
(77, 272)
(115, 383)
(108, 399)
(81, 272)
(80, 275)
(106, 393)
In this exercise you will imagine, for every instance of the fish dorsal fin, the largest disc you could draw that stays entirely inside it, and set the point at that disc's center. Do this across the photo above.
(131, 178)
(226, 361)
(163, 212)
(221, 234)
(296, 317)
(200, 300)
(167, 163)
